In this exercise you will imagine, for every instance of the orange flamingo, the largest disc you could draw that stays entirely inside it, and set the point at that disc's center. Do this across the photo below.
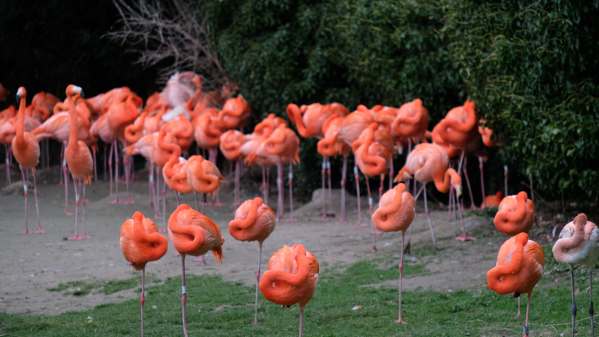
(411, 122)
(515, 214)
(230, 145)
(280, 148)
(26, 149)
(492, 201)
(396, 213)
(6, 136)
(203, 175)
(577, 245)
(141, 243)
(193, 233)
(79, 161)
(175, 173)
(254, 221)
(430, 163)
(519, 267)
(291, 278)
(234, 112)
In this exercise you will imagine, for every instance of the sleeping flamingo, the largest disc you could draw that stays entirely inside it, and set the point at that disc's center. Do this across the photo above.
(193, 233)
(291, 278)
(396, 213)
(410, 123)
(578, 245)
(141, 243)
(492, 201)
(519, 267)
(430, 163)
(515, 214)
(26, 149)
(254, 221)
(79, 161)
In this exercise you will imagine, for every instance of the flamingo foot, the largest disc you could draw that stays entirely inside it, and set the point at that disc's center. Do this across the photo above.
(39, 230)
(465, 237)
(26, 232)
(78, 237)
(400, 322)
(68, 212)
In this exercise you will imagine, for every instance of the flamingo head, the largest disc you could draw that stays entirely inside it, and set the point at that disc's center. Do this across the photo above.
(21, 92)
(73, 90)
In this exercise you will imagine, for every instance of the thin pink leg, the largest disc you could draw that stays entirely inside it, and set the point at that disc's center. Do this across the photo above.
(428, 218)
(280, 188)
(470, 194)
(40, 227)
(391, 173)
(323, 202)
(343, 181)
(213, 157)
(65, 177)
(329, 189)
(116, 172)
(26, 197)
(76, 235)
(110, 170)
(94, 159)
(481, 165)
(7, 163)
(357, 180)
(290, 181)
(370, 202)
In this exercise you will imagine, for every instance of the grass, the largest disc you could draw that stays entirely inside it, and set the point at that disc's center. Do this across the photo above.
(343, 306)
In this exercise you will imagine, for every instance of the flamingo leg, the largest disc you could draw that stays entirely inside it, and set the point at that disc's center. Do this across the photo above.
(141, 302)
(237, 176)
(290, 180)
(381, 186)
(391, 173)
(428, 218)
(460, 212)
(110, 170)
(527, 311)
(264, 193)
(183, 297)
(7, 163)
(519, 305)
(470, 194)
(301, 321)
(40, 228)
(26, 197)
(76, 235)
(116, 172)
(128, 163)
(330, 187)
(280, 201)
(322, 188)
(573, 301)
(591, 307)
(400, 285)
(505, 176)
(94, 160)
(372, 227)
(83, 202)
(267, 186)
(151, 187)
(450, 206)
(213, 156)
(343, 181)
(65, 177)
(357, 179)
(481, 168)
(257, 282)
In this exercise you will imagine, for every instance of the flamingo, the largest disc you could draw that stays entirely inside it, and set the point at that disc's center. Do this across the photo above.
(6, 136)
(578, 245)
(280, 147)
(230, 145)
(291, 278)
(515, 214)
(26, 149)
(519, 267)
(254, 221)
(234, 112)
(175, 173)
(410, 122)
(141, 243)
(193, 233)
(492, 201)
(79, 160)
(203, 175)
(396, 213)
(430, 163)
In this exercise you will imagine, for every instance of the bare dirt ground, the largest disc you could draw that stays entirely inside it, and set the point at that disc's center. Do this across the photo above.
(32, 264)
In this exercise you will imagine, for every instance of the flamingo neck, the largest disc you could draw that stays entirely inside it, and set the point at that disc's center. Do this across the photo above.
(20, 127)
(73, 123)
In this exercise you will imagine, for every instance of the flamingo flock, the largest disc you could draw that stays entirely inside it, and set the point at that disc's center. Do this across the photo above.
(163, 129)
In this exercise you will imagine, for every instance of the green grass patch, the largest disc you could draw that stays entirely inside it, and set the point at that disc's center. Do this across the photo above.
(343, 305)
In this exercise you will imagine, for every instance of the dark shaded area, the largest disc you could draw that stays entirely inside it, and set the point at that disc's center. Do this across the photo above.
(46, 45)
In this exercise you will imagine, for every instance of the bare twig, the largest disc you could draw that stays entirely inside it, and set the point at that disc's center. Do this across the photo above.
(171, 34)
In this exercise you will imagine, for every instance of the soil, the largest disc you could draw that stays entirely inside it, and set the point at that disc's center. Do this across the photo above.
(31, 264)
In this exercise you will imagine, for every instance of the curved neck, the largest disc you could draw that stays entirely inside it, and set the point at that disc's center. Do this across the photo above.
(20, 127)
(295, 114)
(73, 122)
(443, 182)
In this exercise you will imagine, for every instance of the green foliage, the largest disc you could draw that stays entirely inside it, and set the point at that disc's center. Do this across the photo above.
(531, 67)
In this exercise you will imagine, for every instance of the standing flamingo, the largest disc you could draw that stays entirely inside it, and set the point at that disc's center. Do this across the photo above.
(578, 245)
(26, 149)
(291, 278)
(79, 161)
(519, 267)
(254, 221)
(396, 213)
(230, 145)
(193, 233)
(430, 163)
(141, 243)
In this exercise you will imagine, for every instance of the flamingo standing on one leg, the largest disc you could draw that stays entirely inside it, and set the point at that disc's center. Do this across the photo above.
(515, 214)
(396, 213)
(230, 145)
(26, 149)
(430, 163)
(291, 278)
(193, 233)
(79, 161)
(519, 267)
(141, 243)
(578, 245)
(254, 221)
